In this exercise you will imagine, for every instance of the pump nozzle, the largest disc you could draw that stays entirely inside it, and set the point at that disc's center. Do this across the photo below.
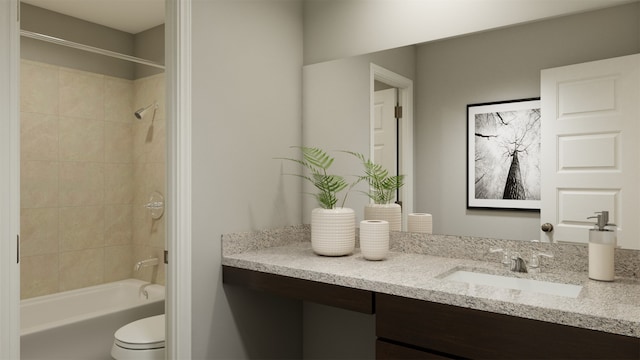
(602, 220)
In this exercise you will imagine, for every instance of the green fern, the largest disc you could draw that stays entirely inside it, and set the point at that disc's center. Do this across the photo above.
(382, 187)
(317, 161)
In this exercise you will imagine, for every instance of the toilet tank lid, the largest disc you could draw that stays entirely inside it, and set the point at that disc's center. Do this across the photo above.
(144, 331)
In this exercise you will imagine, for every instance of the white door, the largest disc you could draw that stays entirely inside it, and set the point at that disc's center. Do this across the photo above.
(384, 130)
(590, 135)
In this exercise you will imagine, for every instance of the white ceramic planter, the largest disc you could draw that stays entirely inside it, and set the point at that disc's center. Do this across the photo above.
(391, 213)
(374, 239)
(333, 231)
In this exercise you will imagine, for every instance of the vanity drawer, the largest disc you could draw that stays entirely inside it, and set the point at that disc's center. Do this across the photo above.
(470, 333)
(386, 350)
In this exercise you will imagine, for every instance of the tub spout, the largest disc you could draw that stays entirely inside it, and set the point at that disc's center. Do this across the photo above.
(145, 263)
(143, 290)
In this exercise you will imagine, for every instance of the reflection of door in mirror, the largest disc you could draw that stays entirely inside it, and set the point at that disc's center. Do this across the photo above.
(399, 161)
(385, 130)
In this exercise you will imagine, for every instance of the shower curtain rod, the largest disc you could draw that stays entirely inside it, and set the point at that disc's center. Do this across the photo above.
(55, 40)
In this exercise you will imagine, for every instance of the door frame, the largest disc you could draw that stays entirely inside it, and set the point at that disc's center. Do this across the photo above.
(178, 74)
(405, 92)
(178, 175)
(10, 180)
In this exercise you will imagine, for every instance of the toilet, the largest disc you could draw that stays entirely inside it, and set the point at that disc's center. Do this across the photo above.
(140, 340)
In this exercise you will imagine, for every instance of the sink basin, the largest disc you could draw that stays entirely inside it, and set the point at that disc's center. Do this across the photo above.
(507, 282)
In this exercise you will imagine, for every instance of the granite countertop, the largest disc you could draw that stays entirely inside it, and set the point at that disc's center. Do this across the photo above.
(605, 306)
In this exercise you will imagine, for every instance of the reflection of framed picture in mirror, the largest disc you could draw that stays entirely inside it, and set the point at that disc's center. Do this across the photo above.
(503, 155)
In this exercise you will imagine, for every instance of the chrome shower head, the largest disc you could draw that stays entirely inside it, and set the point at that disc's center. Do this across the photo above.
(140, 113)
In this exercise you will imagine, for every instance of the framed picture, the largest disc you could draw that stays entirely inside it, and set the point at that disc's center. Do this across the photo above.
(503, 157)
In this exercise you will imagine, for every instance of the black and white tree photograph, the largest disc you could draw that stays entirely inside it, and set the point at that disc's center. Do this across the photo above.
(504, 155)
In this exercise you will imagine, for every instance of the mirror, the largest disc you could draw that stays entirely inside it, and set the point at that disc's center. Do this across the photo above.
(496, 65)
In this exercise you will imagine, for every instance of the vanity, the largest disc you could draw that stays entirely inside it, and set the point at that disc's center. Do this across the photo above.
(423, 312)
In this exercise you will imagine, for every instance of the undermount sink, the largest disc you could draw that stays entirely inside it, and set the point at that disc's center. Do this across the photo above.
(515, 283)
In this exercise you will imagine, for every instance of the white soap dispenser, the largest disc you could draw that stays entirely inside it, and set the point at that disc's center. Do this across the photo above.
(602, 245)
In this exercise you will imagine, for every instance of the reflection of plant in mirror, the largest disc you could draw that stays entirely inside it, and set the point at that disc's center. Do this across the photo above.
(317, 161)
(382, 186)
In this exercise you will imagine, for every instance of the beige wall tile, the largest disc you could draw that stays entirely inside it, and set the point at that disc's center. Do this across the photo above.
(118, 100)
(143, 132)
(39, 184)
(81, 227)
(80, 158)
(157, 153)
(140, 188)
(81, 268)
(118, 225)
(118, 142)
(38, 231)
(39, 88)
(157, 234)
(38, 275)
(38, 137)
(81, 139)
(157, 177)
(81, 184)
(141, 225)
(118, 262)
(81, 94)
(118, 183)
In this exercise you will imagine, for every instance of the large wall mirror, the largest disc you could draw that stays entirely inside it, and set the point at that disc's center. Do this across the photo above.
(496, 65)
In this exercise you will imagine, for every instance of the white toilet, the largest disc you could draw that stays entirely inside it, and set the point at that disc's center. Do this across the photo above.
(140, 340)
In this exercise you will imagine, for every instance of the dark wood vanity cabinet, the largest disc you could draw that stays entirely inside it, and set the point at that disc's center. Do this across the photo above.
(417, 329)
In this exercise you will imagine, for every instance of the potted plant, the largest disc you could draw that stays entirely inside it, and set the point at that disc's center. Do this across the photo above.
(332, 226)
(382, 190)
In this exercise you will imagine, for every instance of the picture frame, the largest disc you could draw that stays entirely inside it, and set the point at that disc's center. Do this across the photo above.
(503, 155)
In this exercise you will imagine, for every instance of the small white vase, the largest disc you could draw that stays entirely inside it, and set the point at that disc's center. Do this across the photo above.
(374, 239)
(391, 213)
(333, 231)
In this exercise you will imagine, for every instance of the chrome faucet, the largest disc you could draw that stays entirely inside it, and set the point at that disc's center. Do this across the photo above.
(143, 290)
(505, 255)
(518, 264)
(145, 263)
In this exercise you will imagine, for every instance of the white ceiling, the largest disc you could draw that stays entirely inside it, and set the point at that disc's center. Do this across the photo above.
(132, 16)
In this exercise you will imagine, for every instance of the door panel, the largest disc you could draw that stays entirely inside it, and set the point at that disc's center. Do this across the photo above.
(590, 116)
(385, 139)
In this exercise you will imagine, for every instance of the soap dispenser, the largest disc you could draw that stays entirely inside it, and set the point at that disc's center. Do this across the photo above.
(602, 244)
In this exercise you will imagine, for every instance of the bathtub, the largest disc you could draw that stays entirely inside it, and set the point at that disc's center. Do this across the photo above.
(79, 324)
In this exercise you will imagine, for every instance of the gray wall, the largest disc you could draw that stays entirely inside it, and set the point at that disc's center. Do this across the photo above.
(246, 65)
(147, 44)
(335, 29)
(493, 66)
(50, 23)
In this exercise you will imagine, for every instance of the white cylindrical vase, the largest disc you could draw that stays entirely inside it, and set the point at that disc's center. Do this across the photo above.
(374, 239)
(420, 223)
(333, 231)
(392, 213)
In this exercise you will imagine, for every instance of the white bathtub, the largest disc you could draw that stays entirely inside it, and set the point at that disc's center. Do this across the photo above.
(80, 324)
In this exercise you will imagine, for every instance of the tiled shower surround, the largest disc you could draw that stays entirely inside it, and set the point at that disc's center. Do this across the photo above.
(87, 168)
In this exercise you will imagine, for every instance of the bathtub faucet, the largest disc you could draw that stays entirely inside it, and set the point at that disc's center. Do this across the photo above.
(145, 263)
(143, 290)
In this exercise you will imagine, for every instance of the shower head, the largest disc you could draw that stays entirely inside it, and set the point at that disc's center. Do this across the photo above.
(140, 113)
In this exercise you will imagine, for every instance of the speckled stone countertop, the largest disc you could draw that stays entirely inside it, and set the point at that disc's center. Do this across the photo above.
(411, 270)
